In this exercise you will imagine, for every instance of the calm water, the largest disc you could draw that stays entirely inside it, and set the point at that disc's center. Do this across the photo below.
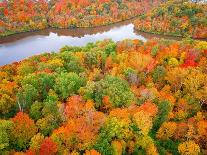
(17, 47)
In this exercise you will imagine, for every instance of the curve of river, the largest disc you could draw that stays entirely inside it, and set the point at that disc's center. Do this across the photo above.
(20, 46)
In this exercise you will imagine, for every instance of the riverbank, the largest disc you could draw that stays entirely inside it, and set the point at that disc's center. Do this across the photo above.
(81, 32)
(150, 35)
(56, 29)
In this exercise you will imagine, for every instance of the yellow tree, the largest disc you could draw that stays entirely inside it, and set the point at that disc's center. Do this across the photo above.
(189, 148)
(166, 130)
(143, 121)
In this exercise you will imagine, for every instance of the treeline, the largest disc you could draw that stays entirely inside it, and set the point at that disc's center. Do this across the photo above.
(107, 98)
(176, 18)
(29, 15)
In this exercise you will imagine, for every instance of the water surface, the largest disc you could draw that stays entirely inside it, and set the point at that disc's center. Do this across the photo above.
(20, 46)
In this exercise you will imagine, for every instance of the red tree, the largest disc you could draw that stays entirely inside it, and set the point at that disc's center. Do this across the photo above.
(48, 147)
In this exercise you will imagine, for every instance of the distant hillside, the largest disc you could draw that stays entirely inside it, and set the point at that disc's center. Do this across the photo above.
(177, 19)
(28, 15)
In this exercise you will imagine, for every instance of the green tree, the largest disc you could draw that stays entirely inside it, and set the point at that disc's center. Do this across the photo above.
(41, 82)
(116, 88)
(5, 129)
(159, 73)
(36, 110)
(26, 96)
(71, 62)
(113, 128)
(163, 110)
(47, 124)
(67, 84)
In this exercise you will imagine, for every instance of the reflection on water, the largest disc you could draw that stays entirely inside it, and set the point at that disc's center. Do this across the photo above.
(78, 32)
(20, 46)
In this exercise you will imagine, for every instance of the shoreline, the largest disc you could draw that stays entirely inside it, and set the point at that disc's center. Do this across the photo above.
(58, 28)
(74, 32)
(175, 37)
(168, 35)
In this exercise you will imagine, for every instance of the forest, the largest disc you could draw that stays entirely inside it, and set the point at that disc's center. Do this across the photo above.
(109, 97)
(129, 97)
(29, 15)
(175, 18)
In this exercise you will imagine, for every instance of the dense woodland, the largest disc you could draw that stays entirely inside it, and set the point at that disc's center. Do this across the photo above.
(107, 98)
(28, 15)
(176, 18)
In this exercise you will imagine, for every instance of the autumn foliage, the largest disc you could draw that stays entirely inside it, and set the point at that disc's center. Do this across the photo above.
(129, 97)
(176, 18)
(48, 147)
(29, 15)
(24, 129)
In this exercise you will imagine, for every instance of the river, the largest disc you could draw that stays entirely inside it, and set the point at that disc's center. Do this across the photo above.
(20, 46)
